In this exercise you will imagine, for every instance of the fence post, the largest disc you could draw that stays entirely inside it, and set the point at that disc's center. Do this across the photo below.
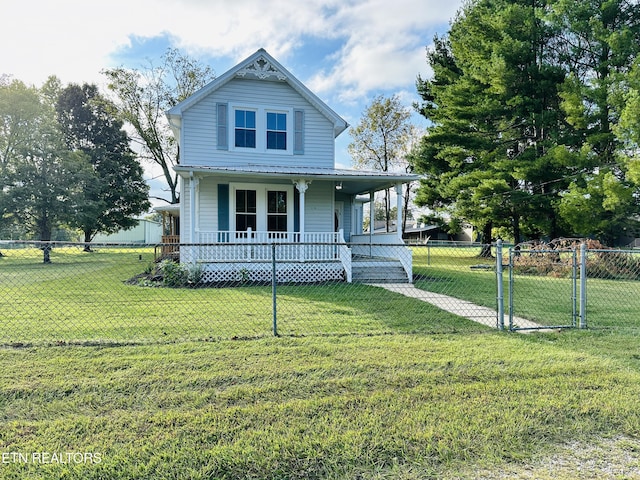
(574, 288)
(273, 289)
(583, 285)
(500, 297)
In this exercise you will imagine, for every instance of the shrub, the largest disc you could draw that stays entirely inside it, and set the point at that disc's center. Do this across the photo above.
(179, 274)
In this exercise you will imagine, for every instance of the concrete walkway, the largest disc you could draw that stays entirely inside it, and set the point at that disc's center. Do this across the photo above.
(462, 308)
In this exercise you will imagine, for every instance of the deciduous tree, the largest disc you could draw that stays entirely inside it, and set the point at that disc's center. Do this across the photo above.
(382, 140)
(142, 98)
(39, 175)
(111, 187)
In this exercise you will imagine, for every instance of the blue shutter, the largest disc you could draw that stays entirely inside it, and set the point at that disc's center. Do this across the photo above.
(223, 207)
(296, 210)
(298, 132)
(222, 129)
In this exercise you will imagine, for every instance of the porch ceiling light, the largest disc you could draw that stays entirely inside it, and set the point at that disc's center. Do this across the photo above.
(339, 186)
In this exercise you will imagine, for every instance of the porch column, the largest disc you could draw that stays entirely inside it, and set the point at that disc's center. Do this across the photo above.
(372, 214)
(302, 186)
(399, 212)
(193, 185)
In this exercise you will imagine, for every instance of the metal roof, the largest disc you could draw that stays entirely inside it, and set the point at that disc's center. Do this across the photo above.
(352, 182)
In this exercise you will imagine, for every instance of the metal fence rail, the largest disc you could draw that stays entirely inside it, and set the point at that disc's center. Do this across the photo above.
(126, 293)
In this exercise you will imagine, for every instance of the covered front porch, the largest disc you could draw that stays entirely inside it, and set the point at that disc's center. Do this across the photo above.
(259, 196)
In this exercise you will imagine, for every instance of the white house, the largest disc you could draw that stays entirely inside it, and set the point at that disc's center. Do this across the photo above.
(257, 167)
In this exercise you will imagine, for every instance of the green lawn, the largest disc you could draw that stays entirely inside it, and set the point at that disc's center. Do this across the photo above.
(544, 299)
(382, 387)
(390, 406)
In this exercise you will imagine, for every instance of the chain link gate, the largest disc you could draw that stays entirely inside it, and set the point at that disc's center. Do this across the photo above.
(546, 287)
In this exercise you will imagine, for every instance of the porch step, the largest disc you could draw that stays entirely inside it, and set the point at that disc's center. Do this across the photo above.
(378, 271)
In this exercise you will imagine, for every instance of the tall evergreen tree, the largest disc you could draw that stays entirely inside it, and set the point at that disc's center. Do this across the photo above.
(599, 42)
(493, 104)
(521, 110)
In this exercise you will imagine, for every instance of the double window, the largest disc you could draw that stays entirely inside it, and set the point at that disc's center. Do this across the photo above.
(262, 208)
(253, 131)
(260, 129)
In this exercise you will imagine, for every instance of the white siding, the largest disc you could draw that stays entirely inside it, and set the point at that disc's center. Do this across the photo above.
(319, 207)
(208, 197)
(199, 127)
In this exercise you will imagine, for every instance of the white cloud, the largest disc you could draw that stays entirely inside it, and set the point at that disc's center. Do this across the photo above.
(381, 43)
(74, 39)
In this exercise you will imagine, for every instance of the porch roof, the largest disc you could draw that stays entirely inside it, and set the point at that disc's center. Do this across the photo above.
(352, 182)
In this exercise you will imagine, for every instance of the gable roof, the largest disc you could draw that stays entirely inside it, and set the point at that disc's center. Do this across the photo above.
(261, 66)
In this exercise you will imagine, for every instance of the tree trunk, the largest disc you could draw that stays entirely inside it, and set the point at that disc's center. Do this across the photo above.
(45, 236)
(88, 234)
(516, 229)
(485, 252)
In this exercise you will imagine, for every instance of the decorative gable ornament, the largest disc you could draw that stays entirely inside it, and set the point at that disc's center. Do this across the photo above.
(261, 68)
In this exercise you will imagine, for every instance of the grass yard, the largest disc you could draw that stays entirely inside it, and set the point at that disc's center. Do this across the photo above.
(383, 387)
(544, 299)
(391, 406)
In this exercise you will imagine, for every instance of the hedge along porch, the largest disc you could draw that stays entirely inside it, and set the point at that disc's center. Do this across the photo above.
(258, 166)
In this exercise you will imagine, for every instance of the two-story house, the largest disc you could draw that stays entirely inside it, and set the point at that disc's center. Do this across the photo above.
(257, 167)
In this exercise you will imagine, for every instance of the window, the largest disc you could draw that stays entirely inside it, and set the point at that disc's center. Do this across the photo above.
(276, 131)
(261, 207)
(276, 211)
(245, 129)
(246, 211)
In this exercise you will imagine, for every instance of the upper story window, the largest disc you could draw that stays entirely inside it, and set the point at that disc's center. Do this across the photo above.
(245, 128)
(276, 131)
(260, 129)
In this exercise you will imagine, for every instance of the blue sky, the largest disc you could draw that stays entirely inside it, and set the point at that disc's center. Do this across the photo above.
(346, 51)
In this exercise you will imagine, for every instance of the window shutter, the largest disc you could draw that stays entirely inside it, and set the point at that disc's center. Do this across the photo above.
(222, 130)
(298, 132)
(223, 207)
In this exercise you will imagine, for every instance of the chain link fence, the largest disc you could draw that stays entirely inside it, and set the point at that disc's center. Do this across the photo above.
(59, 293)
(66, 293)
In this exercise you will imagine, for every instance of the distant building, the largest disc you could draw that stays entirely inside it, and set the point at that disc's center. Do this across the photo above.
(147, 231)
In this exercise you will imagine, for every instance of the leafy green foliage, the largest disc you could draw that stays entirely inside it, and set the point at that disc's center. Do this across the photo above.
(523, 106)
(142, 97)
(113, 190)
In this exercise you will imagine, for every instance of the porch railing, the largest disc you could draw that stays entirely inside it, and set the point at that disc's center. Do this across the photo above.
(255, 246)
(170, 247)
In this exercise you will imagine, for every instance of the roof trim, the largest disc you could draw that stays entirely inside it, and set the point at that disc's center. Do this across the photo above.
(174, 114)
(306, 172)
(353, 182)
